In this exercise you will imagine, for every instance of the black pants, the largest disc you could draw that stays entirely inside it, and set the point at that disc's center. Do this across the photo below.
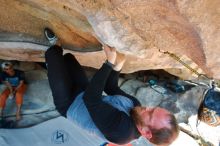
(66, 78)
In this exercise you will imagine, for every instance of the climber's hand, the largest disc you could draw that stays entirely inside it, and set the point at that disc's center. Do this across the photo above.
(120, 60)
(110, 54)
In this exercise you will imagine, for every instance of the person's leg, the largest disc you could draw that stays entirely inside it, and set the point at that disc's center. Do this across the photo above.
(18, 112)
(78, 76)
(59, 79)
(3, 99)
(19, 100)
(1, 114)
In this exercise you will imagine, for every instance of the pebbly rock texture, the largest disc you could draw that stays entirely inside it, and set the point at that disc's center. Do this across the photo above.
(138, 28)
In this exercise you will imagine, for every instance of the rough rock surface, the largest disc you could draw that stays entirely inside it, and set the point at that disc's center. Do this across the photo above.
(138, 28)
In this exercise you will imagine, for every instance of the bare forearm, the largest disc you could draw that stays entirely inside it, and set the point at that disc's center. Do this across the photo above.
(9, 86)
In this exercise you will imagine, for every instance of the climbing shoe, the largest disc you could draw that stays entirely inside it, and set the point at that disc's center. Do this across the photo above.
(51, 37)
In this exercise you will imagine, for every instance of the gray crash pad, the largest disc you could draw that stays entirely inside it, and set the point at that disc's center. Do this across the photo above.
(58, 131)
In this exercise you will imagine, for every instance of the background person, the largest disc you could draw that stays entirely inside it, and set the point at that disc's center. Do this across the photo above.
(15, 87)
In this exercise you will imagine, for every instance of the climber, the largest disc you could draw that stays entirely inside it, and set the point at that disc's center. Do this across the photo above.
(15, 87)
(117, 117)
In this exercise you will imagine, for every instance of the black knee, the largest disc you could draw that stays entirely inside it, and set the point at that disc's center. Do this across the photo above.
(69, 55)
(55, 49)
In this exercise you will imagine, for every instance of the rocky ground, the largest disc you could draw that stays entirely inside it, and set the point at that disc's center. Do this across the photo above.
(155, 88)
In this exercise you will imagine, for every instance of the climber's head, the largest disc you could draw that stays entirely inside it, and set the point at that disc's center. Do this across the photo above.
(157, 124)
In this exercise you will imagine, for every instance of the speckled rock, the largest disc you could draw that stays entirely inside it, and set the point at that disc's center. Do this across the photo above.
(139, 28)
